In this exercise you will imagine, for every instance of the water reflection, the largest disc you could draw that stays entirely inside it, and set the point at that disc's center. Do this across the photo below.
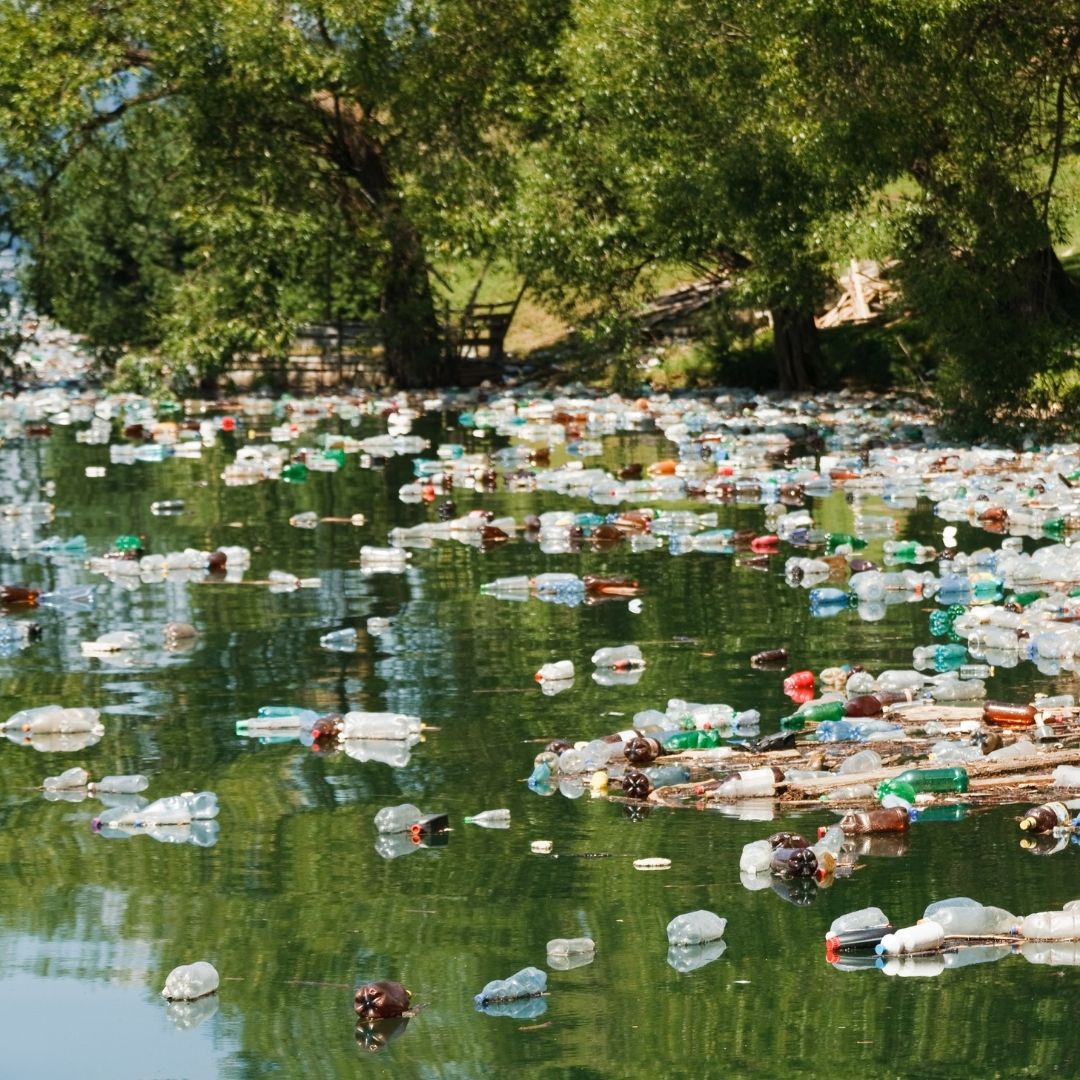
(292, 897)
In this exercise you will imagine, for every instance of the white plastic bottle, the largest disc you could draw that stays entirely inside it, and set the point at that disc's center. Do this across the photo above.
(922, 937)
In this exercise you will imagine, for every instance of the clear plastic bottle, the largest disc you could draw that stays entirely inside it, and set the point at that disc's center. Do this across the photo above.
(119, 785)
(756, 857)
(695, 927)
(620, 658)
(1051, 925)
(1067, 776)
(507, 586)
(379, 725)
(68, 779)
(528, 982)
(53, 720)
(961, 916)
(557, 671)
(395, 819)
(191, 981)
(202, 805)
(490, 819)
(343, 640)
(570, 946)
(863, 762)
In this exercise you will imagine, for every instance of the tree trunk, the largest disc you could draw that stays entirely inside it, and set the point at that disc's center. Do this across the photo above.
(1045, 287)
(410, 328)
(796, 348)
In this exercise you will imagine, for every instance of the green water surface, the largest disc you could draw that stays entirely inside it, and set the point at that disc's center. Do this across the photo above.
(294, 905)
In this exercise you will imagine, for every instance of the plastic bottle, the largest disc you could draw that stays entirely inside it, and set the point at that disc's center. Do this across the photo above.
(58, 721)
(170, 810)
(857, 929)
(862, 762)
(490, 819)
(558, 671)
(819, 711)
(871, 821)
(191, 981)
(343, 640)
(1007, 714)
(18, 596)
(379, 725)
(960, 916)
(528, 982)
(695, 927)
(570, 946)
(769, 656)
(922, 937)
(513, 587)
(667, 775)
(756, 857)
(862, 919)
(921, 780)
(167, 507)
(620, 658)
(694, 739)
(68, 779)
(395, 819)
(1044, 818)
(1067, 776)
(750, 783)
(276, 720)
(794, 862)
(119, 785)
(1051, 925)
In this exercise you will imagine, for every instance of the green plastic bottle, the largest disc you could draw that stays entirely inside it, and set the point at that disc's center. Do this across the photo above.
(915, 781)
(821, 710)
(695, 739)
(837, 540)
(127, 543)
(295, 472)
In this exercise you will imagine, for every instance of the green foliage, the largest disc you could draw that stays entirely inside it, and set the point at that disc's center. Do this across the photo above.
(217, 172)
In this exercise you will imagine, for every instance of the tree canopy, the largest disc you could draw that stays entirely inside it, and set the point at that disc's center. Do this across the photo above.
(201, 178)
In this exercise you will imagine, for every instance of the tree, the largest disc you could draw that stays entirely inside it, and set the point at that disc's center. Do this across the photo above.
(973, 106)
(684, 138)
(376, 126)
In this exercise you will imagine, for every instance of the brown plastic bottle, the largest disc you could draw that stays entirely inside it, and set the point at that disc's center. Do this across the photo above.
(14, 595)
(1008, 714)
(863, 705)
(788, 840)
(894, 819)
(770, 656)
(1042, 819)
(609, 586)
(794, 862)
(642, 750)
(635, 785)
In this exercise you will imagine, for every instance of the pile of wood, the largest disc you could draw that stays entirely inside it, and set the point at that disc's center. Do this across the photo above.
(864, 294)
